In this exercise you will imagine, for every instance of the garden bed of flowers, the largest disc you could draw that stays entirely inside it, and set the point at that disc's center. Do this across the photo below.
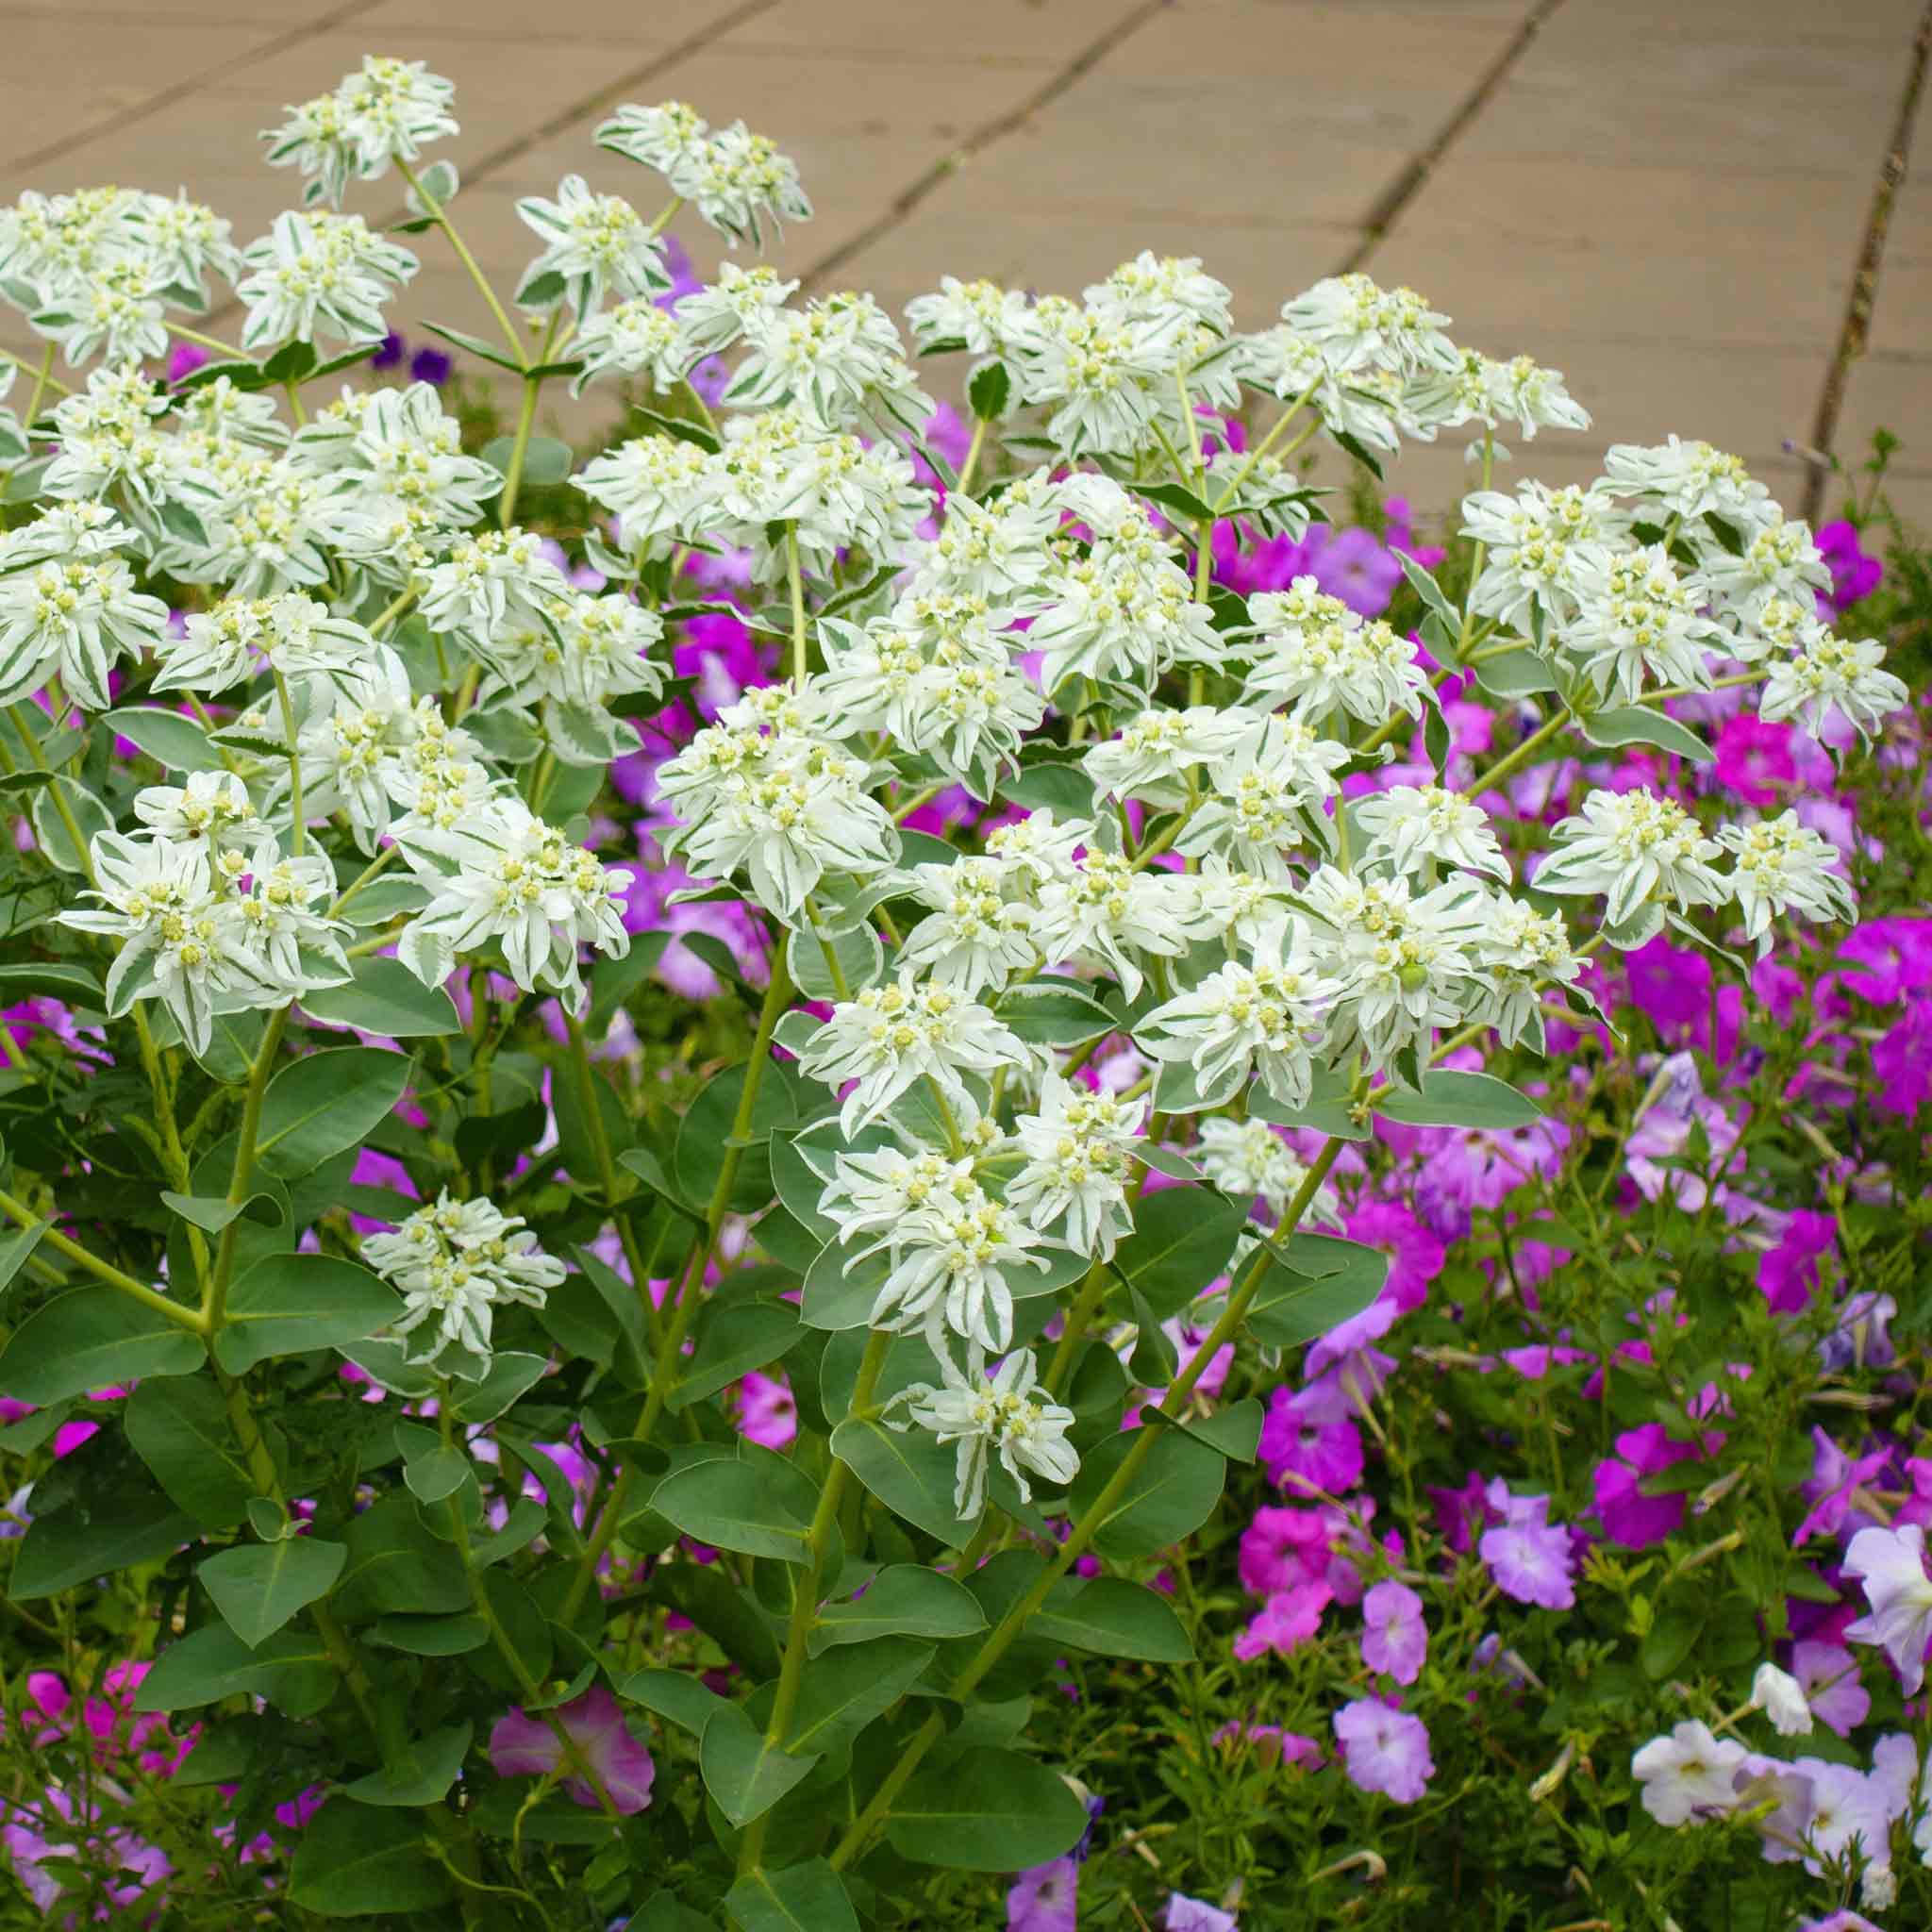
(876, 1162)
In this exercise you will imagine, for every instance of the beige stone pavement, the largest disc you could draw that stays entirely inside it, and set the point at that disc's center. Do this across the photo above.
(1664, 198)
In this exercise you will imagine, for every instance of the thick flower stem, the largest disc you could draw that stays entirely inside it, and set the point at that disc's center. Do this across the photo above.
(434, 210)
(21, 1216)
(800, 658)
(298, 836)
(214, 1304)
(1001, 1636)
(685, 1295)
(807, 1585)
(519, 449)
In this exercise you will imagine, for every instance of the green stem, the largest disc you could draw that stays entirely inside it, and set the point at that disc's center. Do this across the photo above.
(684, 1297)
(195, 335)
(215, 1303)
(47, 381)
(519, 449)
(102, 1271)
(434, 210)
(793, 575)
(1266, 443)
(806, 1588)
(299, 836)
(980, 425)
(607, 1172)
(1510, 762)
(375, 865)
(395, 608)
(1098, 1512)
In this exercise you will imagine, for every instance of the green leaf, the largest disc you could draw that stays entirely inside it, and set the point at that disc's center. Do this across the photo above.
(72, 985)
(1234, 1432)
(90, 815)
(680, 1696)
(664, 1912)
(903, 1600)
(1181, 1240)
(1462, 1100)
(1515, 674)
(437, 1476)
(1644, 725)
(1053, 1013)
(327, 1102)
(96, 1536)
(1113, 1618)
(860, 958)
(429, 1767)
(1324, 1281)
(474, 346)
(910, 1474)
(397, 1563)
(1173, 496)
(1429, 590)
(17, 1249)
(838, 1291)
(295, 361)
(986, 393)
(166, 737)
(287, 1303)
(844, 1691)
(802, 1898)
(511, 1373)
(1327, 1111)
(745, 1776)
(258, 1587)
(1172, 1492)
(178, 1425)
(452, 1636)
(545, 458)
(91, 1338)
(734, 1505)
(385, 997)
(353, 1861)
(291, 1669)
(705, 1134)
(1064, 790)
(988, 1811)
(211, 1214)
(735, 1337)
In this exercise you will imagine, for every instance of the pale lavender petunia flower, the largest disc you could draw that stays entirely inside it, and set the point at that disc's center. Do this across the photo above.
(1395, 1637)
(1530, 1557)
(1890, 1563)
(525, 1746)
(1046, 1899)
(1829, 1674)
(1185, 1914)
(1384, 1749)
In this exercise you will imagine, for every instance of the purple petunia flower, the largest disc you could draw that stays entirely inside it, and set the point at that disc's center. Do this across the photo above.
(1395, 1637)
(432, 366)
(1530, 1557)
(1185, 1914)
(525, 1746)
(1384, 1749)
(1045, 1899)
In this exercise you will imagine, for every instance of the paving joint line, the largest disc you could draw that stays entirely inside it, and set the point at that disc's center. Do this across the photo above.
(181, 89)
(1855, 330)
(1394, 199)
(605, 96)
(983, 137)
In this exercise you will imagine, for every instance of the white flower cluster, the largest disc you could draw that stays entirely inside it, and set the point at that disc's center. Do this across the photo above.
(1194, 847)
(456, 1263)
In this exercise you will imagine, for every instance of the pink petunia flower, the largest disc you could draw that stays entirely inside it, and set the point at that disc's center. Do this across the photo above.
(525, 1746)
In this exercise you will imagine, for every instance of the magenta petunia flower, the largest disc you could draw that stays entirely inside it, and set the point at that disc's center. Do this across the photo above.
(1302, 1452)
(1753, 759)
(525, 1746)
(1395, 1637)
(1832, 1490)
(1788, 1273)
(1903, 1061)
(1285, 1622)
(1283, 1547)
(1415, 1256)
(1629, 1515)
(1384, 1749)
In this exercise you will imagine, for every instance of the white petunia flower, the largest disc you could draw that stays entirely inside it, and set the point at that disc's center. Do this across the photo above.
(1889, 1565)
(1687, 1774)
(1781, 1698)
